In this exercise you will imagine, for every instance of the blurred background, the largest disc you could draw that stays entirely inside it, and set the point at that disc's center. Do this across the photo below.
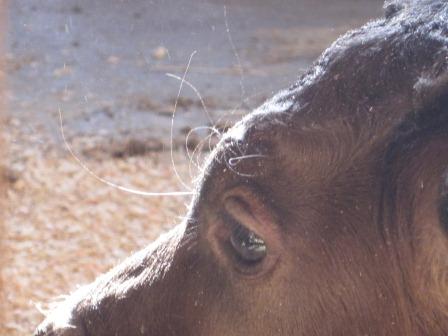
(113, 69)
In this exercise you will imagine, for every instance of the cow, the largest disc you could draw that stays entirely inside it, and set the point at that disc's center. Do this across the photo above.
(322, 212)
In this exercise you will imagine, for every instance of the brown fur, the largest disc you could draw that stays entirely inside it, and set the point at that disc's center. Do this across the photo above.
(342, 180)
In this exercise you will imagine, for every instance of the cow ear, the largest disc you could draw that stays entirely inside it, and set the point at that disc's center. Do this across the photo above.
(443, 205)
(431, 88)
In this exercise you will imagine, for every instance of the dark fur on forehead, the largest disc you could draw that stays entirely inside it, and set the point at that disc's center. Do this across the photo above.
(380, 74)
(395, 7)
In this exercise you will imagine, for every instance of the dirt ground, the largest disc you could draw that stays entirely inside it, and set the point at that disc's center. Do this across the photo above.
(103, 63)
(64, 227)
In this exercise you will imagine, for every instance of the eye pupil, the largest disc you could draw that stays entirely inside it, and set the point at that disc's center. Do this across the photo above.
(249, 247)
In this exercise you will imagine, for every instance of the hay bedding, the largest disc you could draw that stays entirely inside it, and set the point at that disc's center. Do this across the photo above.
(64, 227)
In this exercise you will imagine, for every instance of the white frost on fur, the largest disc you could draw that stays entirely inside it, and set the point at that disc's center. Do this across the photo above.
(422, 83)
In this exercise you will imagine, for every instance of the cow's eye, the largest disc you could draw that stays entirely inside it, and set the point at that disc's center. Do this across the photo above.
(249, 248)
(246, 236)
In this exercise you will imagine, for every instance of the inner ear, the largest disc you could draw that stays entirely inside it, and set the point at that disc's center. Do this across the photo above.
(430, 90)
(443, 212)
(246, 234)
(443, 205)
